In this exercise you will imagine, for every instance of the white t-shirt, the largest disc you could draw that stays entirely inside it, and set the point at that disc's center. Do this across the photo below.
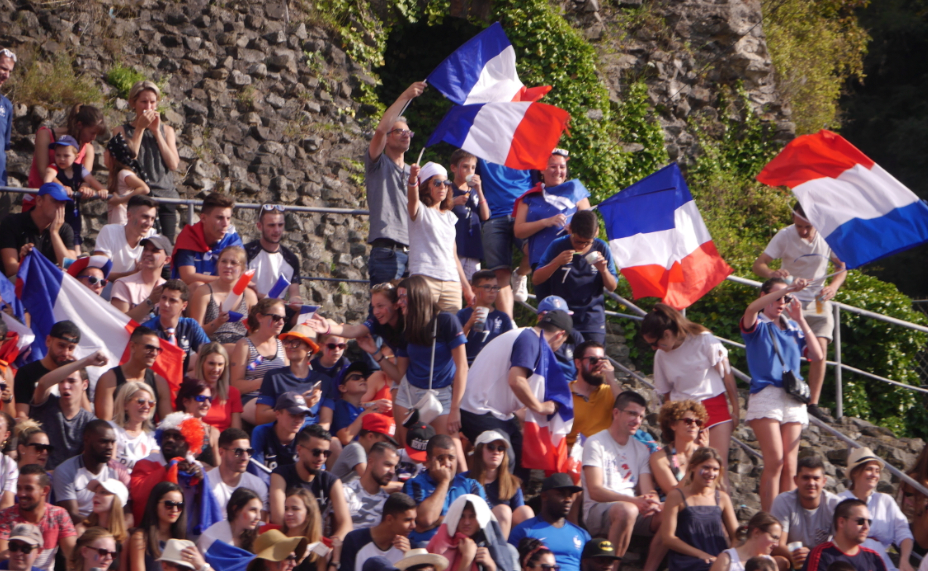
(112, 241)
(131, 449)
(269, 266)
(371, 550)
(118, 214)
(802, 259)
(9, 474)
(488, 379)
(71, 477)
(431, 244)
(223, 492)
(621, 465)
(133, 289)
(691, 371)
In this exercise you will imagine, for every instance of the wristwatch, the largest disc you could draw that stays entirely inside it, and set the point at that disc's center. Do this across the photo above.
(336, 564)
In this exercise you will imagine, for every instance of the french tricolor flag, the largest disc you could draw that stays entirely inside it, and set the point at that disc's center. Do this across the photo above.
(483, 70)
(51, 295)
(860, 209)
(544, 446)
(279, 288)
(516, 135)
(658, 238)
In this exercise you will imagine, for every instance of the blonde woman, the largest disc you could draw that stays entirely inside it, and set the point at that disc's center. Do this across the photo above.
(155, 146)
(132, 421)
(32, 445)
(109, 499)
(96, 548)
(206, 302)
(213, 367)
(302, 519)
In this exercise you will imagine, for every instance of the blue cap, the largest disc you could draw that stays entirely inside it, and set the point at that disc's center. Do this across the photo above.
(378, 563)
(54, 190)
(65, 141)
(551, 303)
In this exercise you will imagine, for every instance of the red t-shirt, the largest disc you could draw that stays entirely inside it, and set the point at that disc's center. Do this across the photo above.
(220, 414)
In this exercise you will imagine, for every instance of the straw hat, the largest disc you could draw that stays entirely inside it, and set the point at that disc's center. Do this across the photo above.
(416, 557)
(273, 545)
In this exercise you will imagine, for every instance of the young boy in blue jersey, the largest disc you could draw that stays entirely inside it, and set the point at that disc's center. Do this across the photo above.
(471, 208)
(486, 289)
(347, 419)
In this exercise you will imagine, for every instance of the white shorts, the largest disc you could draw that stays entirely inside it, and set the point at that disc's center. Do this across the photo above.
(773, 402)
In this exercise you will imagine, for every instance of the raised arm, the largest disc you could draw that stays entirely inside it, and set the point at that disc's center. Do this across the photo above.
(379, 140)
(44, 387)
(412, 192)
(755, 307)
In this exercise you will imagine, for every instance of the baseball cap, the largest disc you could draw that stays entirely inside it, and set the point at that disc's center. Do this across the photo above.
(488, 436)
(381, 424)
(103, 263)
(54, 190)
(559, 319)
(292, 402)
(27, 533)
(304, 334)
(551, 303)
(417, 439)
(599, 548)
(158, 241)
(67, 331)
(112, 486)
(356, 367)
(65, 141)
(378, 563)
(558, 482)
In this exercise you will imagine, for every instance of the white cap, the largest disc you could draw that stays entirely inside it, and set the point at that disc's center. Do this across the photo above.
(489, 436)
(431, 169)
(112, 486)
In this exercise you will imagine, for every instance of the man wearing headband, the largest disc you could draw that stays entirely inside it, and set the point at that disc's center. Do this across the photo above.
(803, 253)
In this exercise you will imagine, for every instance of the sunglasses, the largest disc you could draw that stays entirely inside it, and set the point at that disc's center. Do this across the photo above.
(402, 132)
(7, 53)
(153, 349)
(93, 280)
(546, 567)
(241, 451)
(104, 552)
(691, 421)
(169, 505)
(23, 547)
(334, 346)
(276, 318)
(561, 152)
(145, 402)
(317, 452)
(203, 398)
(788, 298)
(490, 287)
(291, 557)
(496, 447)
(862, 521)
(386, 286)
(269, 207)
(594, 360)
(294, 344)
(440, 183)
(39, 448)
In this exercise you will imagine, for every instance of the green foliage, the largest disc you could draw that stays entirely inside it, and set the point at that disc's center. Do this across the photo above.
(52, 82)
(816, 48)
(123, 78)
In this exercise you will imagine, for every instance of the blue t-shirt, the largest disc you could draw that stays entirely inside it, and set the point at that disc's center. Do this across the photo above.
(579, 283)
(188, 332)
(6, 132)
(270, 451)
(526, 350)
(565, 354)
(384, 332)
(279, 381)
(492, 491)
(502, 186)
(449, 336)
(423, 486)
(763, 363)
(467, 229)
(565, 542)
(204, 262)
(497, 324)
(344, 414)
(560, 199)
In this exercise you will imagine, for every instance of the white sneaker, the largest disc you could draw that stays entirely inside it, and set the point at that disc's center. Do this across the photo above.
(519, 285)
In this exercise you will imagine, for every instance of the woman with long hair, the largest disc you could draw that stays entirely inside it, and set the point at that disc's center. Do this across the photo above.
(132, 421)
(213, 367)
(697, 514)
(302, 519)
(95, 548)
(681, 425)
(471, 538)
(534, 555)
(243, 513)
(109, 499)
(206, 302)
(9, 471)
(776, 417)
(259, 352)
(433, 252)
(165, 518)
(32, 446)
(155, 147)
(690, 363)
(758, 538)
(490, 467)
(195, 398)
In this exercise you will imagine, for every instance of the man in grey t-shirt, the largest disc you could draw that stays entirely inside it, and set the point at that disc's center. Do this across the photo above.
(352, 461)
(385, 177)
(806, 512)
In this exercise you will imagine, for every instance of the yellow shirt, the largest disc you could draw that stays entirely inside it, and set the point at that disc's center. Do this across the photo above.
(591, 415)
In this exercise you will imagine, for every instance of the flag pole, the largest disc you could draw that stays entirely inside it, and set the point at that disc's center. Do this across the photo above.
(403, 110)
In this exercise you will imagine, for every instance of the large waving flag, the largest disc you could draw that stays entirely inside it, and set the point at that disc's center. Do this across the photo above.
(517, 135)
(658, 238)
(483, 70)
(544, 445)
(861, 210)
(51, 295)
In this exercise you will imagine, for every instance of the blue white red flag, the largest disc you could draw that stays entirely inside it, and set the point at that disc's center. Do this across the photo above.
(483, 70)
(221, 555)
(279, 288)
(51, 295)
(516, 135)
(544, 445)
(860, 209)
(660, 242)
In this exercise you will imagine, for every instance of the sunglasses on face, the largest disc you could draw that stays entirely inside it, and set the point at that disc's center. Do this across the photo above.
(490, 287)
(104, 552)
(152, 349)
(23, 547)
(788, 298)
(594, 360)
(545, 567)
(169, 505)
(93, 280)
(291, 557)
(496, 447)
(276, 318)
(440, 183)
(862, 520)
(334, 346)
(240, 451)
(145, 402)
(203, 398)
(691, 421)
(293, 344)
(39, 448)
(402, 132)
(317, 452)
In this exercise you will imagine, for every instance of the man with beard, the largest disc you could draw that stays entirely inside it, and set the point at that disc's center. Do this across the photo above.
(313, 445)
(144, 348)
(594, 391)
(563, 538)
(61, 342)
(389, 538)
(32, 487)
(269, 259)
(851, 523)
(367, 494)
(72, 477)
(62, 417)
(235, 454)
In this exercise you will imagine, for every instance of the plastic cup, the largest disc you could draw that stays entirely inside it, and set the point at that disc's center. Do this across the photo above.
(791, 547)
(470, 180)
(592, 258)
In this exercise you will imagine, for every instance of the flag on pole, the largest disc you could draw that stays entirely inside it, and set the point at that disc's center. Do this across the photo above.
(861, 210)
(483, 70)
(658, 238)
(516, 135)
(544, 445)
(51, 295)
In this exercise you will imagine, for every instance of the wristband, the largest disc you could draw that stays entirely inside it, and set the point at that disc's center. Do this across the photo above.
(382, 357)
(328, 328)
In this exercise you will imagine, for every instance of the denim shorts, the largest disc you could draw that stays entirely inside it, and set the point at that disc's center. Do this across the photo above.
(498, 241)
(407, 392)
(386, 264)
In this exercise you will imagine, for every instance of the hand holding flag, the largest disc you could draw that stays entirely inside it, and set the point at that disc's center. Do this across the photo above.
(235, 296)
